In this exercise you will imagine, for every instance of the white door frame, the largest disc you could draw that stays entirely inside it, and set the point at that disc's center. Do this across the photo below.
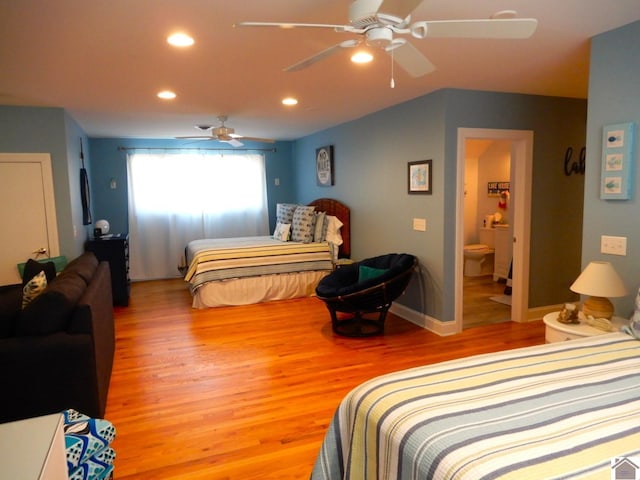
(522, 168)
(44, 159)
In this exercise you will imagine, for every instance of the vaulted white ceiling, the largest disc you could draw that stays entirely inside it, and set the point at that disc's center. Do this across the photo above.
(104, 61)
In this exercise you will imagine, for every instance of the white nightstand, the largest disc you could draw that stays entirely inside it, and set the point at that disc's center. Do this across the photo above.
(556, 331)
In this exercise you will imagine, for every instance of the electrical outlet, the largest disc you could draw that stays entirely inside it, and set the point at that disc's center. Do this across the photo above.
(613, 245)
(420, 224)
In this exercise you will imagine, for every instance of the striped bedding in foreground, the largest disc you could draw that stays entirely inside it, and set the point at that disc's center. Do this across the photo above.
(561, 410)
(222, 259)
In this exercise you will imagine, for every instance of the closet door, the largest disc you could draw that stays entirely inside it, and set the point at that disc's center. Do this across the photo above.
(27, 214)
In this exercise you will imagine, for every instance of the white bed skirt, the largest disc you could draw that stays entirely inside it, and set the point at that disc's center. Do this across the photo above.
(247, 291)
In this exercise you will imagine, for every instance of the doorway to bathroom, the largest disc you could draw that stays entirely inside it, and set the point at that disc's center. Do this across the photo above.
(487, 251)
(493, 217)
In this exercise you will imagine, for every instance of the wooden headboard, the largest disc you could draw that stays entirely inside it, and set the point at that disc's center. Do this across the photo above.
(340, 210)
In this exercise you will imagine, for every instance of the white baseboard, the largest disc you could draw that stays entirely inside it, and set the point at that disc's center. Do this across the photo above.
(449, 328)
(537, 313)
(425, 321)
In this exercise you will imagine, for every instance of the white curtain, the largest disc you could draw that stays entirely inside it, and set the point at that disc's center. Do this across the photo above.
(178, 197)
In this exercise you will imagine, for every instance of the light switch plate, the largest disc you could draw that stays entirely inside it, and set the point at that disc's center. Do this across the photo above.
(420, 224)
(613, 245)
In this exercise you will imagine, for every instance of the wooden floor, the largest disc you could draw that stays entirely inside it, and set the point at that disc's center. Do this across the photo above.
(478, 308)
(248, 392)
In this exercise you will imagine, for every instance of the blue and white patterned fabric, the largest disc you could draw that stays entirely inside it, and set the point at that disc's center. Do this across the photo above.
(303, 224)
(284, 212)
(87, 442)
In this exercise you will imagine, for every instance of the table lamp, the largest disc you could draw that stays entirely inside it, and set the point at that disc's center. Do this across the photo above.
(599, 280)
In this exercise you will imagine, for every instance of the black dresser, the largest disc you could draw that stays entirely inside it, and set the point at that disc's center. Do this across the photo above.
(115, 250)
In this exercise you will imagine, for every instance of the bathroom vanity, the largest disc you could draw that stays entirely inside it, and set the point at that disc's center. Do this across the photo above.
(503, 252)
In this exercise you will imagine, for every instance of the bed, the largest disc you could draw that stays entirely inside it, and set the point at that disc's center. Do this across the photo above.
(561, 410)
(249, 270)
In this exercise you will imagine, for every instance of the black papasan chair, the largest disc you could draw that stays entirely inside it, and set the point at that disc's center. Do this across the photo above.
(365, 290)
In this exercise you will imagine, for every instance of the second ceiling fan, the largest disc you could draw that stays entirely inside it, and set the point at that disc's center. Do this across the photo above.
(225, 134)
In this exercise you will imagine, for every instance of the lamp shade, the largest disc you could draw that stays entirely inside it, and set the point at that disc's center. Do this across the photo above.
(601, 280)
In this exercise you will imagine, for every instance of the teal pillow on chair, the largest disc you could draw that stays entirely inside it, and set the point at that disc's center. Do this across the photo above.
(367, 273)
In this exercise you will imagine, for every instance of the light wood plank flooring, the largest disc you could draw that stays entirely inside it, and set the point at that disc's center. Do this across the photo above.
(478, 309)
(248, 392)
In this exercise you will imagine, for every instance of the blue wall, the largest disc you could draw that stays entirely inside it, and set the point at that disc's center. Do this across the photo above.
(109, 161)
(52, 131)
(614, 97)
(371, 156)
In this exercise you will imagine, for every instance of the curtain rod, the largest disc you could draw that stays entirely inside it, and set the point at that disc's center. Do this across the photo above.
(273, 149)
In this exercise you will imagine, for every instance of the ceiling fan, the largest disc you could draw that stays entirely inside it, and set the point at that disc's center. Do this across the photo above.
(377, 22)
(225, 134)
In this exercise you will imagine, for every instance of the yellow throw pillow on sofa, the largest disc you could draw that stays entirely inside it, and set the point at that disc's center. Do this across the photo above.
(33, 288)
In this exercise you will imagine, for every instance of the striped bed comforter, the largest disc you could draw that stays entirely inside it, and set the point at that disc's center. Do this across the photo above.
(556, 411)
(226, 258)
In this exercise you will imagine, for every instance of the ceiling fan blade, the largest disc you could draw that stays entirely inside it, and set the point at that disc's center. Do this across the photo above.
(233, 142)
(411, 60)
(286, 25)
(479, 28)
(401, 8)
(257, 139)
(208, 137)
(322, 55)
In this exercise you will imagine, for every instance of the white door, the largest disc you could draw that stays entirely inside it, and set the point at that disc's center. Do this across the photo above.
(27, 211)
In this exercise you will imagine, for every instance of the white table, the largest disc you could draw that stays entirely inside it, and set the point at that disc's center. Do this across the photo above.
(33, 449)
(556, 331)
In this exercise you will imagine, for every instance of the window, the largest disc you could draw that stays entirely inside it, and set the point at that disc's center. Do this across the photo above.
(176, 198)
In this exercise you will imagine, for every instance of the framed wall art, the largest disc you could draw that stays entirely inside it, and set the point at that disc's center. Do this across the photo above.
(324, 166)
(617, 161)
(419, 180)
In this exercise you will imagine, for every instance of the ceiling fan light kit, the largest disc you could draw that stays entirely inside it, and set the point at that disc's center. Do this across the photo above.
(379, 36)
(361, 57)
(377, 21)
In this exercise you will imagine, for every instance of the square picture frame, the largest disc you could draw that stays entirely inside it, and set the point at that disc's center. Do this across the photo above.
(419, 180)
(617, 170)
(324, 166)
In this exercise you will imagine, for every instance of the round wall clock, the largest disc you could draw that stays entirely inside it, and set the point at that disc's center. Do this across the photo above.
(324, 166)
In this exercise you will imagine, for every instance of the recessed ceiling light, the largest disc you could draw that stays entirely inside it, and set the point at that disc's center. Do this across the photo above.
(361, 57)
(180, 40)
(167, 95)
(289, 101)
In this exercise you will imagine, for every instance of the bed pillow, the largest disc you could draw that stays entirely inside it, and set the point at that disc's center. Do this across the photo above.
(302, 226)
(319, 230)
(333, 234)
(282, 232)
(284, 212)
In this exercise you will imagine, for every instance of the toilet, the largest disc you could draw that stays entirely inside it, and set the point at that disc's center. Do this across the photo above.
(478, 257)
